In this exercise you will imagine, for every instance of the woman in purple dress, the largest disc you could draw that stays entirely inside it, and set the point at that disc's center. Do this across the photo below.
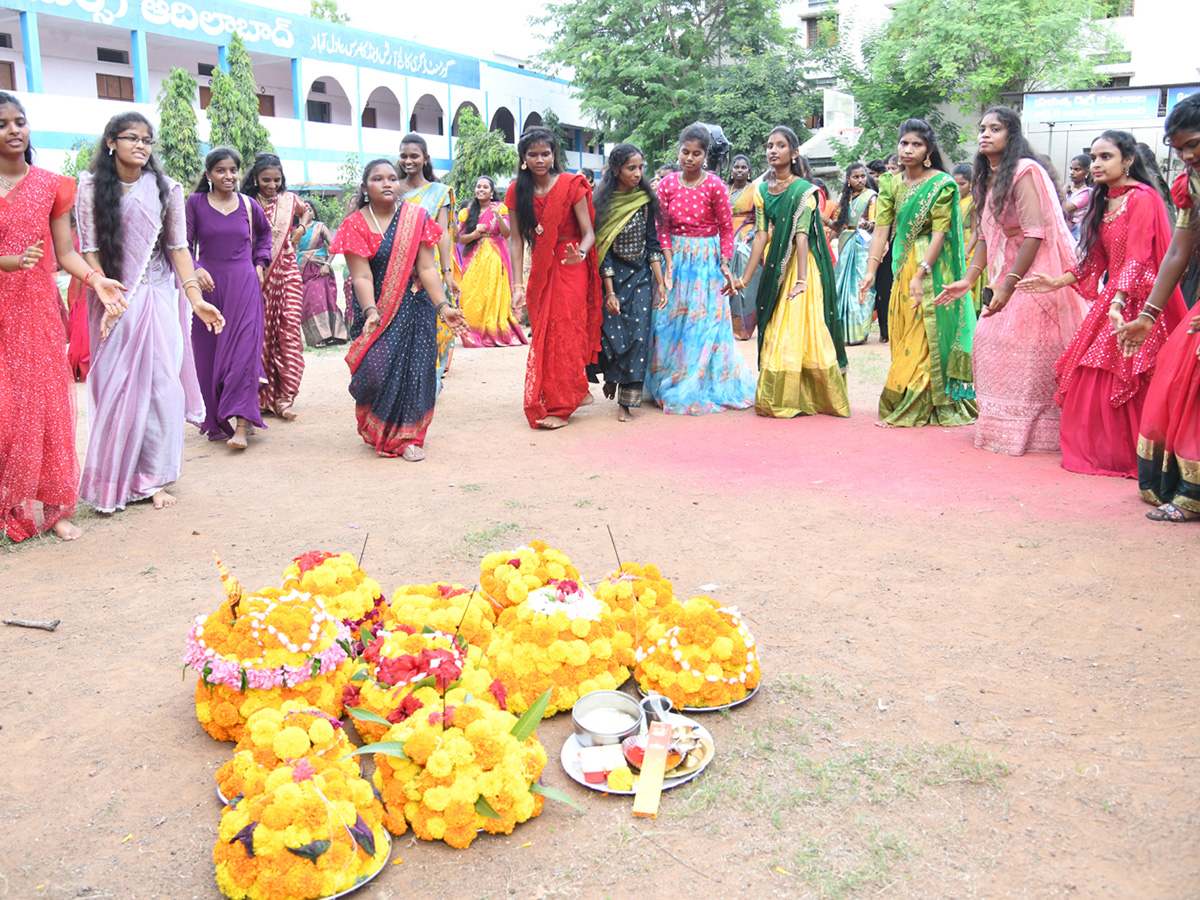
(142, 384)
(230, 239)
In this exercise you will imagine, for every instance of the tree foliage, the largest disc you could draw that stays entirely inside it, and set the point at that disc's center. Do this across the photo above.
(553, 124)
(750, 98)
(80, 159)
(972, 52)
(645, 71)
(477, 152)
(233, 109)
(178, 146)
(329, 11)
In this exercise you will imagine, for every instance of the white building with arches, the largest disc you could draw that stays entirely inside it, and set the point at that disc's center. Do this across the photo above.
(326, 92)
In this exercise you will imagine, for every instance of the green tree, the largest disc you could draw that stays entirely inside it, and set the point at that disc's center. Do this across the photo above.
(553, 124)
(973, 52)
(329, 11)
(178, 146)
(477, 152)
(756, 93)
(644, 71)
(233, 110)
(80, 158)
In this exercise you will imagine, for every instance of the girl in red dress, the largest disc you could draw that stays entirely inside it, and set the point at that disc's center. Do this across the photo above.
(554, 216)
(39, 472)
(1100, 389)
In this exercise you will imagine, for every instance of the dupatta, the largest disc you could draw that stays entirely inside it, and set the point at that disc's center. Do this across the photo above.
(950, 329)
(410, 223)
(620, 210)
(789, 207)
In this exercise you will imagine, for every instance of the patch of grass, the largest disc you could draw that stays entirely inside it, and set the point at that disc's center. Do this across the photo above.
(863, 862)
(516, 504)
(582, 503)
(149, 570)
(471, 488)
(327, 350)
(789, 687)
(477, 542)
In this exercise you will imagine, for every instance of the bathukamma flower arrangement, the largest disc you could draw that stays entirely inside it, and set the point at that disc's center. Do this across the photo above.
(562, 637)
(698, 654)
(260, 649)
(435, 679)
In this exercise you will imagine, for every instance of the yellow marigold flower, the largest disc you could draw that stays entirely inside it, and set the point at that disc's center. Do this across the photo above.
(439, 763)
(723, 648)
(580, 627)
(291, 742)
(577, 653)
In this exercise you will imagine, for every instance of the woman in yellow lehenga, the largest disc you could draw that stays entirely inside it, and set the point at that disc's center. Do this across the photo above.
(487, 271)
(419, 185)
(930, 381)
(966, 206)
(801, 359)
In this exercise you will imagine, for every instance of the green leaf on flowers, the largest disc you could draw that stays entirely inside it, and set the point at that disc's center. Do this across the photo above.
(245, 681)
(428, 681)
(367, 636)
(366, 715)
(383, 748)
(311, 850)
(462, 642)
(316, 667)
(528, 723)
(485, 809)
(428, 630)
(359, 675)
(554, 794)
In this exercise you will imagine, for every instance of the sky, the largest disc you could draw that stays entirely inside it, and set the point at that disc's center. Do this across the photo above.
(478, 30)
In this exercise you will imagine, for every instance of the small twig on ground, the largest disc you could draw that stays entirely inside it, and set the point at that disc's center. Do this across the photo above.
(673, 856)
(27, 623)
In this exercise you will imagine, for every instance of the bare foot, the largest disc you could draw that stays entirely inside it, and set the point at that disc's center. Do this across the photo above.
(67, 530)
(413, 453)
(623, 414)
(587, 400)
(287, 415)
(238, 441)
(553, 422)
(162, 499)
(610, 390)
(884, 424)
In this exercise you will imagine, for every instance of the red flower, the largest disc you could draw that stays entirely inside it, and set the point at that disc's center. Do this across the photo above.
(350, 696)
(371, 653)
(408, 706)
(407, 629)
(435, 717)
(447, 591)
(566, 586)
(515, 563)
(498, 691)
(401, 670)
(311, 559)
(443, 665)
(448, 717)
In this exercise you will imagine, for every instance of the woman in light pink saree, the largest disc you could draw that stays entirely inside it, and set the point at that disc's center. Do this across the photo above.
(1020, 335)
(142, 383)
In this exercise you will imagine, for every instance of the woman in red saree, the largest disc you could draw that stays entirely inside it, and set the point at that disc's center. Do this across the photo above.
(1100, 389)
(282, 287)
(388, 247)
(1168, 445)
(39, 471)
(554, 217)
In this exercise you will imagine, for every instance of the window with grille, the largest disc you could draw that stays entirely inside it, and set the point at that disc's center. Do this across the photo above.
(108, 55)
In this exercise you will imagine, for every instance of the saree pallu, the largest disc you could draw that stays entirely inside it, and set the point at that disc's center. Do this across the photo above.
(486, 288)
(966, 206)
(930, 380)
(696, 367)
(283, 298)
(431, 197)
(393, 376)
(855, 313)
(799, 366)
(1168, 447)
(78, 347)
(741, 303)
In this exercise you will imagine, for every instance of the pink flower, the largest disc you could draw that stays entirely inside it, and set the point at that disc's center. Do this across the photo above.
(302, 771)
(498, 691)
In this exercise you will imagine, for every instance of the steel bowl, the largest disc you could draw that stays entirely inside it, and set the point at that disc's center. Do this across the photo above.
(617, 700)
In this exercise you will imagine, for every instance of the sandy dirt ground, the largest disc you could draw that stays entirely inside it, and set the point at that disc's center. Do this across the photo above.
(979, 672)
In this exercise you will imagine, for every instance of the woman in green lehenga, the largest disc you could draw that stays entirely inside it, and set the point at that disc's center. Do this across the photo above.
(801, 359)
(930, 381)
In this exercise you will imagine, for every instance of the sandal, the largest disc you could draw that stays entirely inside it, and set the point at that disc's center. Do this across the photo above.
(1169, 512)
(413, 453)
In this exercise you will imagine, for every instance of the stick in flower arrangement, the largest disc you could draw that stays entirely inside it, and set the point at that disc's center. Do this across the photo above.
(458, 628)
(614, 543)
(363, 551)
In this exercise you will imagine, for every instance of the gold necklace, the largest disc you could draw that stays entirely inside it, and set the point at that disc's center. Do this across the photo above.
(696, 184)
(780, 186)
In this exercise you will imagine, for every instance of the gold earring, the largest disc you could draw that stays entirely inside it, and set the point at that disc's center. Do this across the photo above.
(1127, 171)
(524, 167)
(927, 162)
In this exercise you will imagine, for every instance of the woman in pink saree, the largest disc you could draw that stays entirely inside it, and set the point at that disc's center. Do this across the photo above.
(142, 384)
(1020, 335)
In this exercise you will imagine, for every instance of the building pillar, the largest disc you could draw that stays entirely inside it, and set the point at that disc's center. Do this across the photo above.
(359, 103)
(223, 58)
(32, 47)
(450, 129)
(141, 69)
(300, 112)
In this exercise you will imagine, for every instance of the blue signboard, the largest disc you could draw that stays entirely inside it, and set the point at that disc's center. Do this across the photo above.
(264, 31)
(1092, 106)
(1175, 94)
